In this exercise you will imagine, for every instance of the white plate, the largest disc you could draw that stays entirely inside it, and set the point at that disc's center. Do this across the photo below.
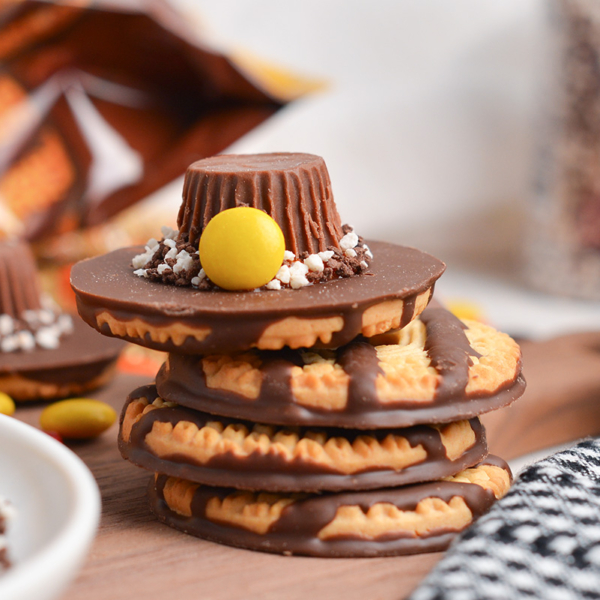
(58, 509)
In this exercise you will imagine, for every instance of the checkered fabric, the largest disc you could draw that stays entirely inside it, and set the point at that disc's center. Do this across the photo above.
(542, 540)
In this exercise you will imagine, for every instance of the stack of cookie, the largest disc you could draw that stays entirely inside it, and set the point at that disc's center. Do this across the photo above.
(332, 412)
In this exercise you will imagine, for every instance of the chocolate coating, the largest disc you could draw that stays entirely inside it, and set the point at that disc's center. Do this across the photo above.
(82, 356)
(293, 188)
(296, 530)
(181, 379)
(268, 472)
(238, 319)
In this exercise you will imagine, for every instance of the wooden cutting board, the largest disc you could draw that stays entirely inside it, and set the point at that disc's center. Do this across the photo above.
(134, 556)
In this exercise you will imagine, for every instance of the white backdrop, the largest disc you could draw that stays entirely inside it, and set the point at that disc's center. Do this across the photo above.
(427, 127)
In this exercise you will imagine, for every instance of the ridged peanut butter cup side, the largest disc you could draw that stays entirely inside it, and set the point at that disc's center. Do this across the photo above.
(293, 188)
(19, 286)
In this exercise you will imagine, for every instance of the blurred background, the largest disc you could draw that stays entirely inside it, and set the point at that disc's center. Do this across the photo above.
(445, 125)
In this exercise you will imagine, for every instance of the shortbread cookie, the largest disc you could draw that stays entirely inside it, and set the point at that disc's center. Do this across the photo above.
(407, 520)
(216, 451)
(440, 370)
(117, 303)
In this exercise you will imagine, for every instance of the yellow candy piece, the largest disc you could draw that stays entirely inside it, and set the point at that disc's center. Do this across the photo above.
(7, 405)
(78, 418)
(241, 248)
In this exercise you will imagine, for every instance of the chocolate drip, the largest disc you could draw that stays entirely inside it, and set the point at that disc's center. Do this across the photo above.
(268, 472)
(449, 351)
(297, 529)
(359, 360)
(294, 189)
(408, 309)
(19, 285)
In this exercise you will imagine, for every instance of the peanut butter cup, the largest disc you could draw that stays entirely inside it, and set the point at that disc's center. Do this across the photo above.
(293, 188)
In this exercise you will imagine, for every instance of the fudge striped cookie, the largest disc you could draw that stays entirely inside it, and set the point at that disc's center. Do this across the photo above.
(214, 450)
(439, 369)
(407, 520)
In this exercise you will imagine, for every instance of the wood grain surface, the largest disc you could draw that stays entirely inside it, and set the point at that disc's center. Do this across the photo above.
(134, 556)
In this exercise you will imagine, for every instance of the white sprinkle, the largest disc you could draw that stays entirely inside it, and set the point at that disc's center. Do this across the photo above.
(298, 281)
(26, 340)
(283, 274)
(46, 316)
(172, 253)
(350, 253)
(65, 324)
(364, 264)
(170, 242)
(31, 316)
(287, 255)
(349, 241)
(152, 244)
(140, 260)
(201, 274)
(7, 325)
(195, 281)
(327, 255)
(184, 262)
(298, 269)
(368, 251)
(47, 337)
(274, 284)
(141, 273)
(315, 263)
(168, 233)
(162, 268)
(9, 344)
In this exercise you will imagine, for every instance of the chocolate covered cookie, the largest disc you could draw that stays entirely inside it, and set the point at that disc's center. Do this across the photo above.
(213, 450)
(406, 520)
(441, 369)
(117, 303)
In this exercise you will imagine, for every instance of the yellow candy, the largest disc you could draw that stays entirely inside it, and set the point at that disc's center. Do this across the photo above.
(7, 405)
(241, 248)
(78, 418)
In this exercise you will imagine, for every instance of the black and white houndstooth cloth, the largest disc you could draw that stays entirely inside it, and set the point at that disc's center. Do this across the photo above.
(541, 541)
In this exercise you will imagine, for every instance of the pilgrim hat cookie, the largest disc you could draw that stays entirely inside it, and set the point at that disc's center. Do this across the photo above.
(44, 353)
(266, 223)
(213, 450)
(406, 520)
(440, 369)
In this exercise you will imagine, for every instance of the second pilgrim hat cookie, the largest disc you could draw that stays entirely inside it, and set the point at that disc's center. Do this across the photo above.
(45, 354)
